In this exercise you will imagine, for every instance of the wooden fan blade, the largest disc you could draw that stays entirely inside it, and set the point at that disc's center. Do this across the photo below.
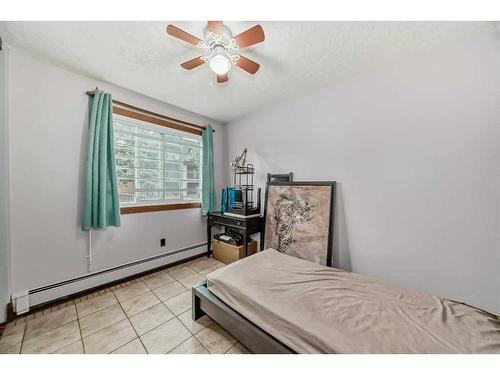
(221, 78)
(215, 26)
(193, 63)
(247, 65)
(182, 35)
(250, 37)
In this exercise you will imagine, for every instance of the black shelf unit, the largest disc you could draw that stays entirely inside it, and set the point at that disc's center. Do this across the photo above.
(243, 182)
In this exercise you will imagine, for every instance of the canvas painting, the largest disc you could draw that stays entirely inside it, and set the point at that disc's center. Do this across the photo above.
(299, 220)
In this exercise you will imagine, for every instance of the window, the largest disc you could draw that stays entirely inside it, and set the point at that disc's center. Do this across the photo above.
(155, 164)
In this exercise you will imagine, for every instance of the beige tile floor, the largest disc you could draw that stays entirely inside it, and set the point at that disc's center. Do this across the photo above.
(151, 314)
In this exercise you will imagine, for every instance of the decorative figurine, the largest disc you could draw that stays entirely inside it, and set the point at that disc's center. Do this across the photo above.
(240, 160)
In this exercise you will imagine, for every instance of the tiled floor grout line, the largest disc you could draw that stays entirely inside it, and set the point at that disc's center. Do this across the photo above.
(168, 320)
(128, 342)
(171, 350)
(138, 337)
(34, 337)
(187, 288)
(171, 282)
(126, 316)
(232, 346)
(22, 341)
(106, 290)
(194, 334)
(65, 346)
(175, 295)
(121, 307)
(137, 295)
(196, 338)
(162, 285)
(97, 311)
(99, 330)
(176, 317)
(192, 337)
(80, 328)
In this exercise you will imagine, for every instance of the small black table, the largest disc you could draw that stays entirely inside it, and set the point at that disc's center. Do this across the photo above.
(244, 226)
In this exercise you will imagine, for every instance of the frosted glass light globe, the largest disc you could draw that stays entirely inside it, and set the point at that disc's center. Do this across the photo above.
(220, 64)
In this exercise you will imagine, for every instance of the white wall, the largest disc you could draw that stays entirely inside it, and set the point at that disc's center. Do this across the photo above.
(48, 142)
(4, 189)
(415, 149)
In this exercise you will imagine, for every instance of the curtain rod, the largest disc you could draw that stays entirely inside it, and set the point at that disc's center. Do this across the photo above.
(122, 104)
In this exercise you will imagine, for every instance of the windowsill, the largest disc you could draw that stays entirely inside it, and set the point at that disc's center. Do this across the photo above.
(158, 207)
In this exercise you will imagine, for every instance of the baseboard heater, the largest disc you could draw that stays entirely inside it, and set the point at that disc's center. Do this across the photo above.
(105, 271)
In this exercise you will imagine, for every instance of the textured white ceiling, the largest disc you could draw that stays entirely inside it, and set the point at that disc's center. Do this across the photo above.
(295, 58)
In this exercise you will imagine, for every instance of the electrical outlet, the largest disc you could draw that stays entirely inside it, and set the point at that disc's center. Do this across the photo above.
(163, 242)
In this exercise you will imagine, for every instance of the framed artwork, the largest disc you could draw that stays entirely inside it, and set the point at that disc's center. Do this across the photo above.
(299, 219)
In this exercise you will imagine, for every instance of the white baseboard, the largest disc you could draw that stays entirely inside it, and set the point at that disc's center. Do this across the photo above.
(103, 278)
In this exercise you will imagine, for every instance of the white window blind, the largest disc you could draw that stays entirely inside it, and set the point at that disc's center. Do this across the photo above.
(155, 164)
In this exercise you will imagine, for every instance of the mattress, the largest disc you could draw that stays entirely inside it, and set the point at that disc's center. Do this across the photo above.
(317, 309)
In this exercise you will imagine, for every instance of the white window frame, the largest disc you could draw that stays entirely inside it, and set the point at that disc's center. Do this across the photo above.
(162, 179)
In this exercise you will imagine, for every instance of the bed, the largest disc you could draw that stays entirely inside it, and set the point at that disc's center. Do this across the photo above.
(275, 303)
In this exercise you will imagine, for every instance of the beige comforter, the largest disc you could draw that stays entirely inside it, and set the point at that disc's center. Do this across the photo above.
(316, 309)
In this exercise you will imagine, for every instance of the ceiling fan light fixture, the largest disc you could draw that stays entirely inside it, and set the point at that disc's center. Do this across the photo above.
(219, 64)
(219, 43)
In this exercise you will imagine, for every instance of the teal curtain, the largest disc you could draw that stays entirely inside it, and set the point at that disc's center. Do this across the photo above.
(101, 206)
(208, 184)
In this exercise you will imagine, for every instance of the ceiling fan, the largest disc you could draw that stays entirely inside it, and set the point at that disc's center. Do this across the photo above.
(220, 43)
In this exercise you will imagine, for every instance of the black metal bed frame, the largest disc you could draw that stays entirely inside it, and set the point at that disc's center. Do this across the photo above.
(251, 336)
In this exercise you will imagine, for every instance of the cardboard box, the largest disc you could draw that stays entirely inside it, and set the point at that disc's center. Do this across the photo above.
(227, 253)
